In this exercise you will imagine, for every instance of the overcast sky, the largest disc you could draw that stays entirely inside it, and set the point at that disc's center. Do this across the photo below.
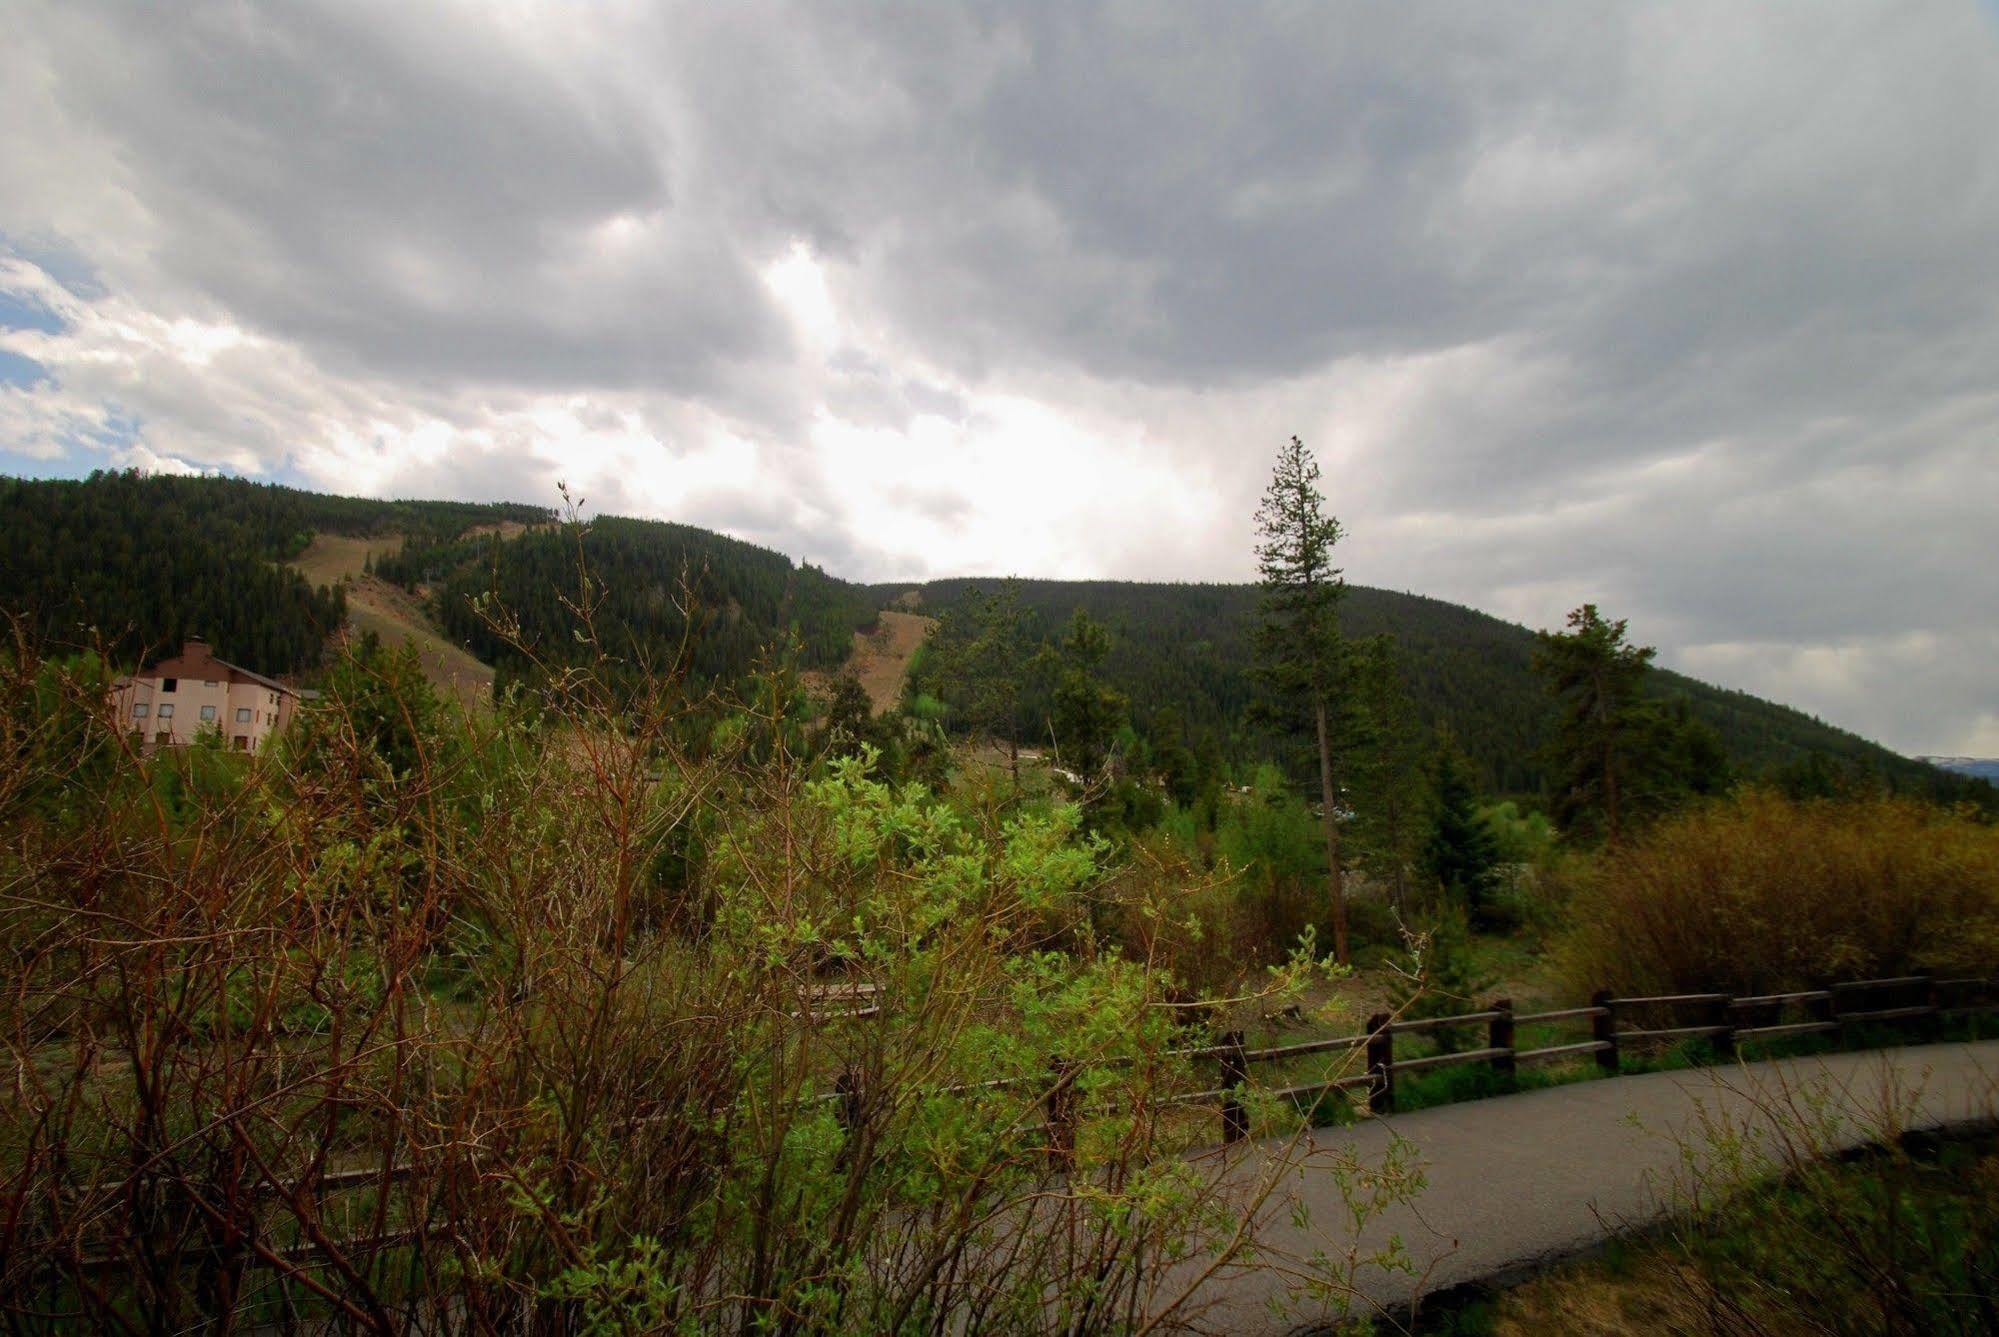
(1691, 310)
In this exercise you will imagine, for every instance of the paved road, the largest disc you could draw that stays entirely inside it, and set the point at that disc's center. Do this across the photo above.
(1521, 1180)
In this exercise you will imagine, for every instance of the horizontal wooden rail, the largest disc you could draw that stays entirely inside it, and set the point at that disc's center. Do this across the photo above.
(1828, 1010)
(1560, 1014)
(1791, 1028)
(1439, 1023)
(1561, 1051)
(1277, 1053)
(1448, 1060)
(1677, 1033)
(1319, 1088)
(1779, 999)
(1891, 1013)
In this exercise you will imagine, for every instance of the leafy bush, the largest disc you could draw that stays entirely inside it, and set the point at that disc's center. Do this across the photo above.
(1444, 978)
(1209, 931)
(595, 1016)
(1523, 837)
(1763, 894)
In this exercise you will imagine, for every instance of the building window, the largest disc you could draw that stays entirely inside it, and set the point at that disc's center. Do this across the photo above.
(242, 742)
(207, 713)
(208, 684)
(169, 684)
(163, 738)
(167, 711)
(242, 714)
(139, 711)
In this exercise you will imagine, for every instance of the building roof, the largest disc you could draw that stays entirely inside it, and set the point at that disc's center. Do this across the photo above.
(271, 683)
(195, 648)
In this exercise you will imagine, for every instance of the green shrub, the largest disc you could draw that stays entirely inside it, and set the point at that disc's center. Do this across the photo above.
(1444, 979)
(659, 1024)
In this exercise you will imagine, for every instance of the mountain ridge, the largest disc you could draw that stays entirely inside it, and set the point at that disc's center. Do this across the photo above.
(1460, 663)
(79, 554)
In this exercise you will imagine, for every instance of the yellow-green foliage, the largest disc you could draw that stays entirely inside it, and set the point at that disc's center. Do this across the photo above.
(1762, 893)
(547, 1020)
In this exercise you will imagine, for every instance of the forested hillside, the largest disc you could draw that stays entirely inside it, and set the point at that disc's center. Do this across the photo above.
(143, 561)
(148, 560)
(648, 577)
(1188, 646)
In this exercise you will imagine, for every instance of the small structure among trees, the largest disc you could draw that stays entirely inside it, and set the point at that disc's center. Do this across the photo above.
(193, 693)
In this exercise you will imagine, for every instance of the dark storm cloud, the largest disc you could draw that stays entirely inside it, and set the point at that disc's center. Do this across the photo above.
(1693, 308)
(416, 195)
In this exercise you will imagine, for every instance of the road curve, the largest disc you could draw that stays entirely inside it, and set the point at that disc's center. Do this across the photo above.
(1518, 1181)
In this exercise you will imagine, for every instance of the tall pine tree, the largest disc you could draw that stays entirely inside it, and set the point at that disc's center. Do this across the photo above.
(1300, 654)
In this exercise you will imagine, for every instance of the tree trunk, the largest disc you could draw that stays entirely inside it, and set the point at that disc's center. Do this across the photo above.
(1335, 881)
(1609, 792)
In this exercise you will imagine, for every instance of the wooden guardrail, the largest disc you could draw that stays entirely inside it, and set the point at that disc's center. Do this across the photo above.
(1723, 1020)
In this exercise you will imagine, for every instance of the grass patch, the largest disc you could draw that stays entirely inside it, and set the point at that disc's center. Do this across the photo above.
(1902, 1239)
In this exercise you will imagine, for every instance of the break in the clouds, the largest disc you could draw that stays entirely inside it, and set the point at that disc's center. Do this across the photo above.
(1692, 310)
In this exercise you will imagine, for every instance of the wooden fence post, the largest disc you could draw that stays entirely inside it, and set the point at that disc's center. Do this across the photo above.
(1061, 1106)
(1380, 1064)
(847, 1109)
(1235, 1119)
(848, 1088)
(1603, 1029)
(1931, 994)
(1499, 1035)
(1722, 1013)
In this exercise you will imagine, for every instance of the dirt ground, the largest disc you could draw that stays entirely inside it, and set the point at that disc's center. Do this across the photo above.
(392, 613)
(506, 529)
(332, 558)
(880, 658)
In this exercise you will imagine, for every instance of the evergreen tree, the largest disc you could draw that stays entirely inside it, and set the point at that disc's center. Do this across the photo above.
(849, 721)
(1088, 712)
(1605, 728)
(986, 654)
(378, 714)
(1389, 771)
(1300, 654)
(1696, 763)
(1462, 854)
(1178, 768)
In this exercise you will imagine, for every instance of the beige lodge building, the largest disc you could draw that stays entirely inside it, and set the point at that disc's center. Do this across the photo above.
(170, 703)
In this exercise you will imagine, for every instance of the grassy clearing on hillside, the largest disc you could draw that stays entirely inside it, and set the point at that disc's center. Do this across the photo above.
(393, 615)
(880, 657)
(332, 558)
